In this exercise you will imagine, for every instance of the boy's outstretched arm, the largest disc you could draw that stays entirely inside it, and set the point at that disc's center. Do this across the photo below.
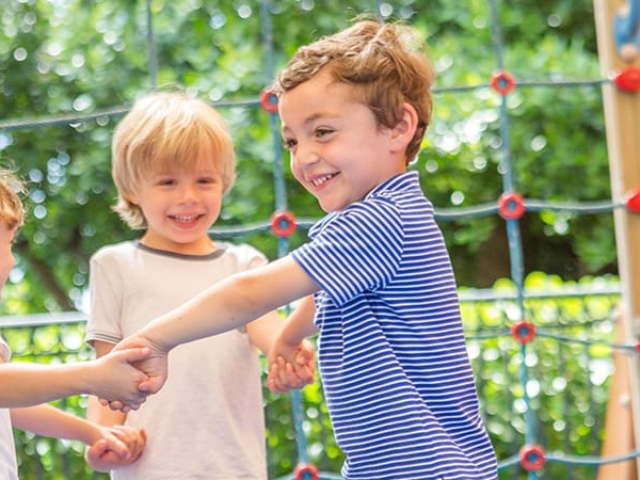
(225, 306)
(114, 377)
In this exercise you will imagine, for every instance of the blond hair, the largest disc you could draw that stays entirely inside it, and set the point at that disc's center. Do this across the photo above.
(165, 131)
(385, 63)
(12, 211)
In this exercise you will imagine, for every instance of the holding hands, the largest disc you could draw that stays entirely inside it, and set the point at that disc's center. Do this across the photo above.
(152, 372)
(118, 445)
(117, 376)
(290, 366)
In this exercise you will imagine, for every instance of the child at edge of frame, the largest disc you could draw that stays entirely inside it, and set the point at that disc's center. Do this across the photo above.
(26, 387)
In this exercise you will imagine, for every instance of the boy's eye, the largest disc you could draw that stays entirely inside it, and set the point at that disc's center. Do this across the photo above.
(207, 180)
(321, 132)
(289, 144)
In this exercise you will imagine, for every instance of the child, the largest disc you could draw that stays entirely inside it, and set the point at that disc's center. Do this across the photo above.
(29, 385)
(173, 162)
(399, 386)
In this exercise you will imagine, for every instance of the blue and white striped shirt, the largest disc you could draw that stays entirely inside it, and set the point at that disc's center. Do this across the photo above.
(392, 353)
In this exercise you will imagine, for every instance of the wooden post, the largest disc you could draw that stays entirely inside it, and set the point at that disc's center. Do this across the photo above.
(619, 439)
(622, 117)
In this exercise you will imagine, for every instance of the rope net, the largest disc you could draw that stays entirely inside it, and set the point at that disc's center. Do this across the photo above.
(544, 357)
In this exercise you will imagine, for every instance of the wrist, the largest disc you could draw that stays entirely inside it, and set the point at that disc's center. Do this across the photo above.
(93, 434)
(155, 344)
(87, 373)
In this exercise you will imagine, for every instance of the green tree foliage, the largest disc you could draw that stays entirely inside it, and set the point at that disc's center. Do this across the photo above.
(69, 69)
(88, 61)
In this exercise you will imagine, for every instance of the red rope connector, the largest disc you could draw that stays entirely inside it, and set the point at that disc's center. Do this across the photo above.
(532, 457)
(269, 101)
(503, 83)
(283, 224)
(627, 79)
(633, 201)
(523, 332)
(306, 472)
(510, 206)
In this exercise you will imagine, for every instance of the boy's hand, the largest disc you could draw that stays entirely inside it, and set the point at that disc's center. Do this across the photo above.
(290, 366)
(153, 368)
(115, 376)
(120, 445)
(305, 364)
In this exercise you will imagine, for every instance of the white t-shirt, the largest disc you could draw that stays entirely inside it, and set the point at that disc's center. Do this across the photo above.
(8, 464)
(207, 421)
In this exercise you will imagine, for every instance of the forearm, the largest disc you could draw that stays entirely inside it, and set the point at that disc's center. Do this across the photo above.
(216, 310)
(230, 304)
(263, 332)
(32, 384)
(104, 416)
(49, 421)
(299, 324)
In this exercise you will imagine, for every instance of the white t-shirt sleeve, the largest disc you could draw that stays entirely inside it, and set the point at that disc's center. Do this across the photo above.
(5, 351)
(106, 301)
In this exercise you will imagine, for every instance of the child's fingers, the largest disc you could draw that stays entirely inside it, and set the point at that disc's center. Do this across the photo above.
(284, 376)
(135, 440)
(274, 382)
(304, 357)
(117, 405)
(306, 375)
(96, 450)
(119, 446)
(133, 355)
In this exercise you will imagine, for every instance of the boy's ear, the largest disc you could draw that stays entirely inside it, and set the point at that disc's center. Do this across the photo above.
(132, 198)
(402, 133)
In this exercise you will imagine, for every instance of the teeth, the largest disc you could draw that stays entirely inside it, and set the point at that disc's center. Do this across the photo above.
(184, 218)
(321, 180)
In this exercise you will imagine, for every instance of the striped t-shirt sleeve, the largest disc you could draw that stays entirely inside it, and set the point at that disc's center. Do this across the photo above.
(359, 249)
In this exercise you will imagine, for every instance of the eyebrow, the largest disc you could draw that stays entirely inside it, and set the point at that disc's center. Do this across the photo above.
(310, 119)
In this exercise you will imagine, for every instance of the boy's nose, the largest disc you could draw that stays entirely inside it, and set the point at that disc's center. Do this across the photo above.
(305, 156)
(188, 194)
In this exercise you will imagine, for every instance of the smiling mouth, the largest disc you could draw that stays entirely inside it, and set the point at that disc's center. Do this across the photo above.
(316, 182)
(185, 218)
